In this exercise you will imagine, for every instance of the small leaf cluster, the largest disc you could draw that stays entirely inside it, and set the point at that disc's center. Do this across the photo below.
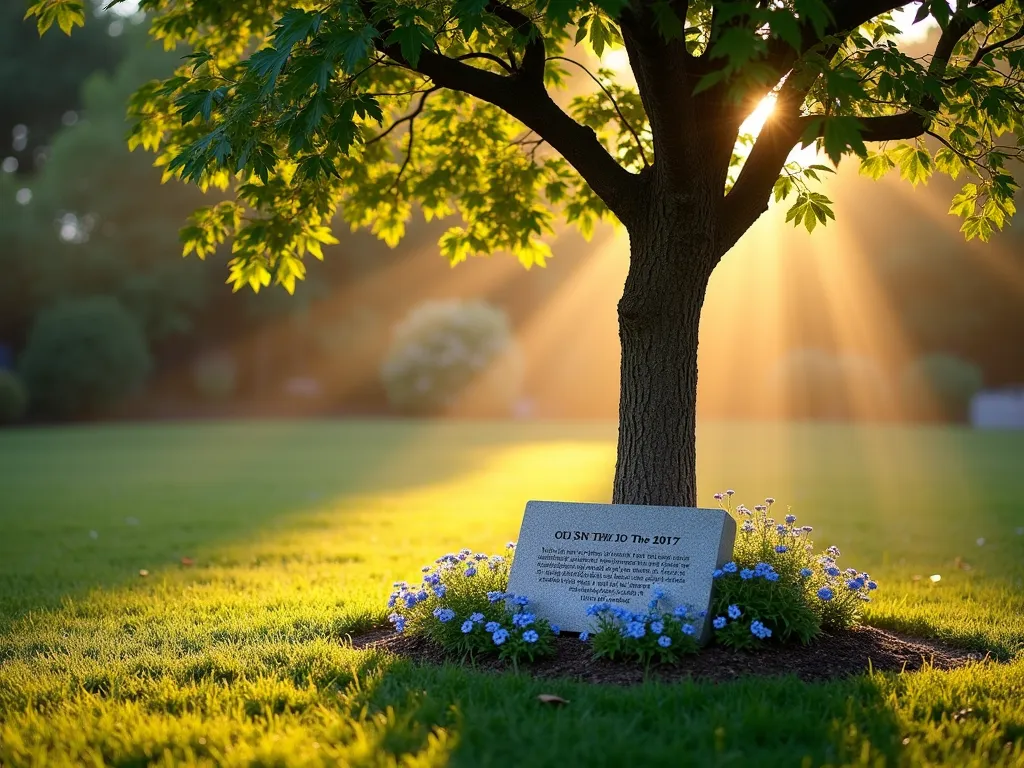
(657, 636)
(777, 587)
(462, 605)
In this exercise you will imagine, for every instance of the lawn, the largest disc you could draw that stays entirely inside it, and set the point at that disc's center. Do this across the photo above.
(295, 531)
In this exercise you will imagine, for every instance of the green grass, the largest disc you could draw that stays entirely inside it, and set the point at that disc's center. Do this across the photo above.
(298, 529)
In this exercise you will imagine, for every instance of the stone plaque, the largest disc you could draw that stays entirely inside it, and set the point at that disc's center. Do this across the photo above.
(571, 555)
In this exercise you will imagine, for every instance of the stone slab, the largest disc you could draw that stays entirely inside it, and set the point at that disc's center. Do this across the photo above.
(571, 555)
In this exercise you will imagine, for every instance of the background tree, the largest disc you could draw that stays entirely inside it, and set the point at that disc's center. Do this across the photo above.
(38, 96)
(364, 108)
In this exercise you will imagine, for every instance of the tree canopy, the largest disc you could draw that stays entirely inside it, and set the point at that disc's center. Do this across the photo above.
(371, 108)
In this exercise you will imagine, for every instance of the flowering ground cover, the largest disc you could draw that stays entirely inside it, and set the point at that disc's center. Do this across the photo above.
(265, 546)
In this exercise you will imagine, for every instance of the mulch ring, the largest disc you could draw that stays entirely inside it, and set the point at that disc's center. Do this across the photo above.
(831, 657)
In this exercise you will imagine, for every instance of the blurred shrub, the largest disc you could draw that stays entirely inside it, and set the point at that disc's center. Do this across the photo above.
(13, 398)
(941, 386)
(815, 384)
(82, 355)
(215, 376)
(455, 357)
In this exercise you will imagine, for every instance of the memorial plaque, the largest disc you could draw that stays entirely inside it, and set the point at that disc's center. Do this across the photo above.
(571, 555)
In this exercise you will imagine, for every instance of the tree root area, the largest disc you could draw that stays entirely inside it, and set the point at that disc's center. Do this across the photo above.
(830, 657)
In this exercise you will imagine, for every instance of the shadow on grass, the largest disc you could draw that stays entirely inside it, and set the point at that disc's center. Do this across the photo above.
(498, 720)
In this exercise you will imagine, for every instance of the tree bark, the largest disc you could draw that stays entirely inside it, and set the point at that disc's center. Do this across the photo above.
(672, 254)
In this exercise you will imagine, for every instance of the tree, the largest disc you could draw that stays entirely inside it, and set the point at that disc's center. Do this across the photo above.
(363, 108)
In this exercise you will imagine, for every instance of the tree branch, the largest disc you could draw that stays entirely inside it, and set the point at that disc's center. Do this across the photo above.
(526, 99)
(615, 104)
(489, 57)
(534, 55)
(983, 51)
(407, 119)
(748, 198)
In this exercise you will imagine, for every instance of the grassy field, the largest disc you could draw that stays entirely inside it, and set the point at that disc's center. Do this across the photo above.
(297, 530)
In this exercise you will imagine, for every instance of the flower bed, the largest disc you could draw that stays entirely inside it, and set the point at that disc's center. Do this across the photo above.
(776, 590)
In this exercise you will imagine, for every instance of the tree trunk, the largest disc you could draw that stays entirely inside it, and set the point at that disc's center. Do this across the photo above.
(672, 253)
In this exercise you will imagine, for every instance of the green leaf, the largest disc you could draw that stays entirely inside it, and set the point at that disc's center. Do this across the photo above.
(810, 209)
(876, 165)
(915, 163)
(354, 46)
(842, 135)
(411, 40)
(66, 13)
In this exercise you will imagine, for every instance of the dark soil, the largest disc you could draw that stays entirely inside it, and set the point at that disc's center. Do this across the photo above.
(831, 657)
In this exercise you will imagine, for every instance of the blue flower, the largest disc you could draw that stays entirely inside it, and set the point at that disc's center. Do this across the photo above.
(652, 604)
(471, 571)
(730, 567)
(689, 629)
(634, 629)
(421, 595)
(658, 592)
(872, 585)
(780, 528)
(400, 624)
(520, 600)
(719, 622)
(854, 584)
(717, 574)
(781, 548)
(747, 527)
(734, 612)
(476, 618)
(499, 636)
(746, 574)
(584, 636)
(495, 596)
(657, 627)
(826, 594)
(555, 629)
(523, 619)
(790, 519)
(681, 611)
(410, 601)
(664, 641)
(806, 572)
(467, 626)
(773, 576)
(445, 615)
(440, 590)
(530, 636)
(479, 556)
(759, 630)
(392, 600)
(832, 571)
(492, 626)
